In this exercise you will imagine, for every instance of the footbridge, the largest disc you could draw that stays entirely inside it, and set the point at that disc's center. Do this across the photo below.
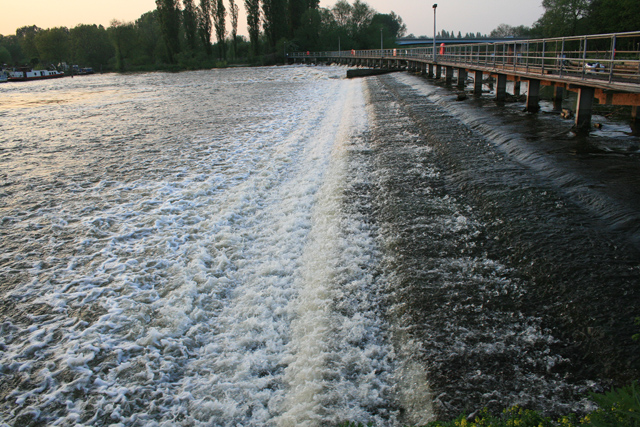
(603, 68)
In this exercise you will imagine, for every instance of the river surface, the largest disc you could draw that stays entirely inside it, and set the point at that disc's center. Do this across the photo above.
(286, 247)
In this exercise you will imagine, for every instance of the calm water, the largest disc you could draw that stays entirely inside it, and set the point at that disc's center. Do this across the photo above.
(282, 246)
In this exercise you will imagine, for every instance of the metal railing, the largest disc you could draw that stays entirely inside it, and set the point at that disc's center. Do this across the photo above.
(606, 58)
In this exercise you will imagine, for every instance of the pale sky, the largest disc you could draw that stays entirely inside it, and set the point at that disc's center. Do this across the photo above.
(451, 15)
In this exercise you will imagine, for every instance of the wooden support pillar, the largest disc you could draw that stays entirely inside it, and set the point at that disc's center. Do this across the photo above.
(438, 71)
(448, 75)
(430, 75)
(501, 87)
(635, 120)
(462, 78)
(584, 109)
(533, 96)
(558, 92)
(516, 88)
(477, 83)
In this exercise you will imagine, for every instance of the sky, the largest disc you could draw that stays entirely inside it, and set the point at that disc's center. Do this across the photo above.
(452, 15)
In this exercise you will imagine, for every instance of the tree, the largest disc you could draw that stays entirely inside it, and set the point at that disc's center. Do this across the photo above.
(342, 12)
(391, 26)
(253, 23)
(233, 10)
(613, 16)
(149, 47)
(297, 8)
(26, 38)
(12, 45)
(53, 45)
(204, 24)
(274, 21)
(5, 56)
(308, 34)
(190, 23)
(169, 14)
(220, 26)
(561, 17)
(90, 46)
(121, 35)
(504, 30)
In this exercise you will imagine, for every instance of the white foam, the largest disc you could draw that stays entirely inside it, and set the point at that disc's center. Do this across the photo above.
(195, 279)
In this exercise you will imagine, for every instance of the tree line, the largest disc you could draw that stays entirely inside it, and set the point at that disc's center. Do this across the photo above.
(179, 34)
(190, 34)
(566, 18)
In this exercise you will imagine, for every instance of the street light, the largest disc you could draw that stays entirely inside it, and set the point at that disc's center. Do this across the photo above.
(381, 48)
(434, 31)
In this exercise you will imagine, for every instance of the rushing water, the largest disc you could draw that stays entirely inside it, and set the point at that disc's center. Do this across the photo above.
(283, 246)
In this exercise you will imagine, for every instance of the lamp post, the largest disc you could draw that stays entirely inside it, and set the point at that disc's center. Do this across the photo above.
(434, 31)
(381, 47)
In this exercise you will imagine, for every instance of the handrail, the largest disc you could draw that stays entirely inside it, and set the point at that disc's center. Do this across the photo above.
(606, 58)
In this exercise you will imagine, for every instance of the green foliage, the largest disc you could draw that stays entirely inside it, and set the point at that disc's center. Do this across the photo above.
(5, 56)
(190, 24)
(169, 16)
(53, 45)
(619, 407)
(576, 17)
(219, 22)
(611, 16)
(90, 46)
(514, 416)
(253, 24)
(274, 21)
(636, 337)
(169, 38)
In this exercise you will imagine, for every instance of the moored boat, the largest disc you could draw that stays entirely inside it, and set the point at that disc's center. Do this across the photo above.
(85, 71)
(26, 74)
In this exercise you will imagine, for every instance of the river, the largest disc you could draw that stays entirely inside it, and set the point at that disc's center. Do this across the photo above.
(283, 246)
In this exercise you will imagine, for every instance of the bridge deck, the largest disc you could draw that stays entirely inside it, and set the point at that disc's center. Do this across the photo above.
(610, 62)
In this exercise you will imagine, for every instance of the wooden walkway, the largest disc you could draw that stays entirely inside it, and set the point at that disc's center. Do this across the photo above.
(603, 68)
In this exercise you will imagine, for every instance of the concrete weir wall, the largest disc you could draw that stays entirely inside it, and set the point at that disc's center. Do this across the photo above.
(365, 72)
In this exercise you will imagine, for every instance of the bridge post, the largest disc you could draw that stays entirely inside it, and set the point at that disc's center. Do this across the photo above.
(516, 88)
(477, 83)
(635, 120)
(448, 75)
(558, 92)
(584, 109)
(462, 77)
(533, 96)
(430, 74)
(438, 72)
(501, 88)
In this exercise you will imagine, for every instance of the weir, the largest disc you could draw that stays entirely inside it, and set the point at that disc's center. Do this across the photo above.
(603, 68)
